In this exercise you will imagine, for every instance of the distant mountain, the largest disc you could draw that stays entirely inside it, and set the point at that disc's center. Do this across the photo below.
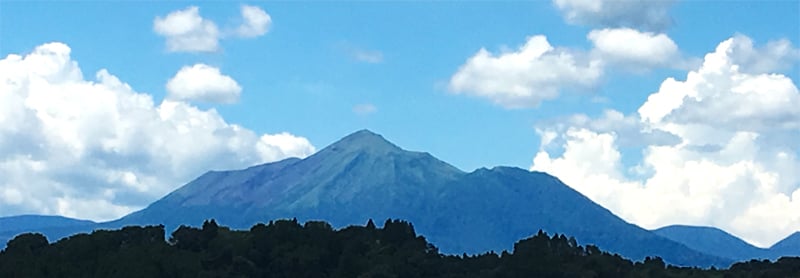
(13, 225)
(789, 246)
(363, 177)
(492, 207)
(719, 243)
(714, 241)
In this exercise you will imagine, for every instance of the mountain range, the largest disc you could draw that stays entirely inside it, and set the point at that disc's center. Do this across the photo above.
(363, 176)
(713, 241)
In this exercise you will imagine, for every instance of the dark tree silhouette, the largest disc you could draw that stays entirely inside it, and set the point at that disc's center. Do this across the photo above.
(285, 248)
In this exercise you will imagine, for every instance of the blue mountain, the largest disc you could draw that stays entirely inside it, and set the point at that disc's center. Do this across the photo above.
(13, 225)
(714, 241)
(719, 243)
(789, 246)
(363, 176)
(360, 177)
(9, 224)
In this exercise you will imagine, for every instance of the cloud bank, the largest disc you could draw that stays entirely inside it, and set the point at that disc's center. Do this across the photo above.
(718, 149)
(97, 149)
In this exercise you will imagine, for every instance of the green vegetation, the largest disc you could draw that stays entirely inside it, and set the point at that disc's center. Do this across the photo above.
(285, 248)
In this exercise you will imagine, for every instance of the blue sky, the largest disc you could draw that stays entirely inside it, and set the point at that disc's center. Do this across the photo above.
(299, 77)
(303, 76)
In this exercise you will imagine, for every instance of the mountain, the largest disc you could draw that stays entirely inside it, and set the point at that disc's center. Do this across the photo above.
(488, 209)
(713, 241)
(363, 177)
(719, 243)
(13, 225)
(789, 246)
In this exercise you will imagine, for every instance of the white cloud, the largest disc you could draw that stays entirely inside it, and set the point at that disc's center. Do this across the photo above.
(633, 49)
(365, 109)
(775, 56)
(629, 130)
(360, 54)
(187, 31)
(750, 102)
(274, 147)
(735, 165)
(256, 22)
(537, 71)
(367, 56)
(524, 78)
(203, 83)
(97, 149)
(637, 14)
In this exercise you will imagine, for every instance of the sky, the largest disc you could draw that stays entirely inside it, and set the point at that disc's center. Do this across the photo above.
(664, 112)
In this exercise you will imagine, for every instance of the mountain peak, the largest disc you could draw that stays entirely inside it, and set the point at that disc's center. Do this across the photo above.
(363, 134)
(364, 140)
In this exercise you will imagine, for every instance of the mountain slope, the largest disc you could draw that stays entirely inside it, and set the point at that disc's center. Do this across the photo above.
(361, 171)
(789, 246)
(363, 177)
(14, 225)
(511, 203)
(713, 241)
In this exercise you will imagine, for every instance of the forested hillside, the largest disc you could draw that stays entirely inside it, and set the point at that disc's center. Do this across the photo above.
(285, 248)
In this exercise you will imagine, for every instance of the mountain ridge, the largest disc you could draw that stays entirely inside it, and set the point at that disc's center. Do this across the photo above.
(39, 221)
(364, 176)
(790, 244)
(715, 241)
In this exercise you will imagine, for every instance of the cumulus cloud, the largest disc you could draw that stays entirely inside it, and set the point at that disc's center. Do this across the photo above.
(255, 22)
(628, 129)
(537, 71)
(97, 149)
(775, 56)
(187, 31)
(634, 49)
(203, 83)
(524, 78)
(734, 164)
(638, 14)
(750, 102)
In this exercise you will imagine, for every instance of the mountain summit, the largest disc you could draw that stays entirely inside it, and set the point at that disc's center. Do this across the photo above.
(364, 141)
(359, 177)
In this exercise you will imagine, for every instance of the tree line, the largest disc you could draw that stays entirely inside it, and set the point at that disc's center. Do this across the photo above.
(287, 248)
